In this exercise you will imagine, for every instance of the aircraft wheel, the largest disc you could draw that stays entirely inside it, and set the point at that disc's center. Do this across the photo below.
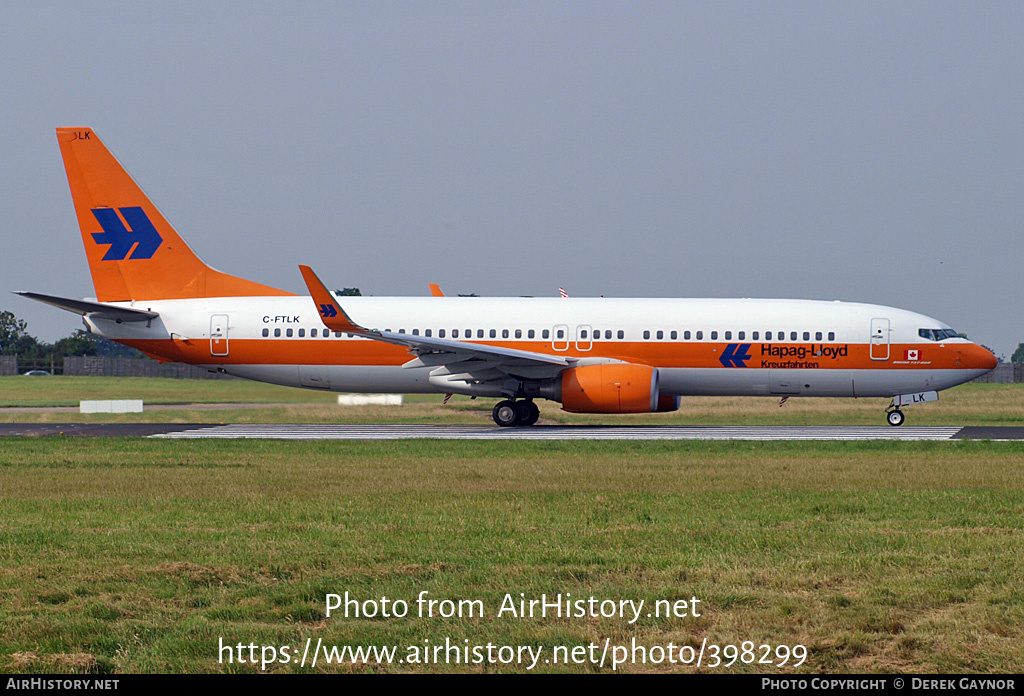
(505, 414)
(528, 412)
(895, 417)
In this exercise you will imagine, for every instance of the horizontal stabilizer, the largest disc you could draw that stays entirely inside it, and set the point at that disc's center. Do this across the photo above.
(92, 309)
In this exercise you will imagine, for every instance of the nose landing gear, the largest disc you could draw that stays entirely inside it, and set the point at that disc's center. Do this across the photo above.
(510, 413)
(894, 416)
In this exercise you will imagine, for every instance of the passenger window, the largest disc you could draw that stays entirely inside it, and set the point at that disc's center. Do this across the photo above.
(277, 333)
(583, 333)
(767, 335)
(792, 335)
(700, 335)
(807, 335)
(607, 334)
(754, 335)
(673, 335)
(647, 335)
(401, 331)
(560, 333)
(479, 333)
(337, 334)
(427, 333)
(494, 333)
(622, 334)
(686, 335)
(415, 332)
(313, 333)
(831, 335)
(266, 332)
(728, 335)
(288, 333)
(440, 333)
(714, 335)
(661, 335)
(302, 333)
(531, 333)
(545, 334)
(741, 335)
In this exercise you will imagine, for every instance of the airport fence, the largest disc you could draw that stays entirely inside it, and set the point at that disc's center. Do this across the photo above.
(95, 366)
(1005, 373)
(8, 365)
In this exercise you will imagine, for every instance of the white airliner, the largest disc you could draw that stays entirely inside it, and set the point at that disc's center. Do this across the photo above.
(592, 355)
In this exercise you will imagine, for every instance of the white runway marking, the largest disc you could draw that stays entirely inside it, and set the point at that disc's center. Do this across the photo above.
(564, 432)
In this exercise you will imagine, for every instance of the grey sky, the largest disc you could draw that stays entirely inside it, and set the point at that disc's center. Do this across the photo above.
(859, 151)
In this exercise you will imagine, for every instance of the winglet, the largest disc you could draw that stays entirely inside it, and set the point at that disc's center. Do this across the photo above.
(435, 290)
(331, 313)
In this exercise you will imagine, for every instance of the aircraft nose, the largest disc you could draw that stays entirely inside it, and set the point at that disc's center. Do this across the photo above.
(979, 358)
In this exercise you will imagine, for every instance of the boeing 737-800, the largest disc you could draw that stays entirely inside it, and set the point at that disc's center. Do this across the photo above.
(592, 355)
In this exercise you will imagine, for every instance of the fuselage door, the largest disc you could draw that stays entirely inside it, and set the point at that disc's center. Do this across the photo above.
(560, 337)
(879, 339)
(219, 335)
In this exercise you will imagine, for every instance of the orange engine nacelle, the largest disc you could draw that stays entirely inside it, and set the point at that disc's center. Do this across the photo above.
(610, 388)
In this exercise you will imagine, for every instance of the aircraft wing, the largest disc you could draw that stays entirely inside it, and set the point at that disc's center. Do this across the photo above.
(461, 356)
(92, 309)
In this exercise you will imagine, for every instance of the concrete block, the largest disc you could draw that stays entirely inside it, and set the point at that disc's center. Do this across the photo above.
(369, 399)
(111, 406)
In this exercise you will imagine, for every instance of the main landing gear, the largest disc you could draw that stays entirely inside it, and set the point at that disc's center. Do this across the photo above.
(510, 413)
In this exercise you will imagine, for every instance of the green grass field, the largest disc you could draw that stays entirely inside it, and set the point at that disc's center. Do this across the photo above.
(137, 555)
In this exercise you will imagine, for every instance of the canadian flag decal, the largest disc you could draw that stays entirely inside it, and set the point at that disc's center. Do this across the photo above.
(913, 355)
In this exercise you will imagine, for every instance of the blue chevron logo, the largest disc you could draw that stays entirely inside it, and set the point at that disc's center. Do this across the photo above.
(735, 355)
(142, 235)
(328, 311)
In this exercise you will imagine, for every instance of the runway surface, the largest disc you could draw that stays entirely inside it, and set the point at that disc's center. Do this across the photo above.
(561, 432)
(490, 432)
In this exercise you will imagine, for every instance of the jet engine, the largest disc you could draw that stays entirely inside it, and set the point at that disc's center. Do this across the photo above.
(610, 388)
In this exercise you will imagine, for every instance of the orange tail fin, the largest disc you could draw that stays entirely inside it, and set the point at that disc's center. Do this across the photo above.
(133, 252)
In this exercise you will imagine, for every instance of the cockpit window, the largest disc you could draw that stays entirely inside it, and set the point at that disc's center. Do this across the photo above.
(937, 334)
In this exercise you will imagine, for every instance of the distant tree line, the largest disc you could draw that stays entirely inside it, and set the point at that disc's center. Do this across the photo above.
(15, 340)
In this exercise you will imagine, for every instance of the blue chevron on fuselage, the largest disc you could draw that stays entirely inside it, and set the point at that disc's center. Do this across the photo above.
(735, 355)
